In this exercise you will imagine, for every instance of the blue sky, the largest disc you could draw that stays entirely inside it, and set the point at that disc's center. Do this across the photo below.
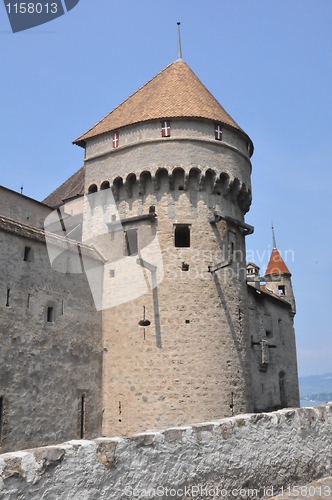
(268, 64)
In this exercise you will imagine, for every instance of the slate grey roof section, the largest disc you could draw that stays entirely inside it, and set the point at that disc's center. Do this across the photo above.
(71, 188)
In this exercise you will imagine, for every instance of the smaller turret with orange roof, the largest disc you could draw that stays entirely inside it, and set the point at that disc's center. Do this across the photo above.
(278, 276)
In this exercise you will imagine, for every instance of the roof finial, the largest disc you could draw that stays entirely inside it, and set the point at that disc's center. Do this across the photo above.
(22, 188)
(179, 43)
(274, 239)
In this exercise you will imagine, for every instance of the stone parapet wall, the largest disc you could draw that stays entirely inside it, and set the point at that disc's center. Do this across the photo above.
(247, 452)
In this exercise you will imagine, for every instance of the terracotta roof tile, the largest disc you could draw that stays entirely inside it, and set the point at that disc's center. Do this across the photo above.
(175, 92)
(276, 264)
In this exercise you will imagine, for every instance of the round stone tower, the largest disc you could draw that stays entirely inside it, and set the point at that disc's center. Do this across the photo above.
(178, 167)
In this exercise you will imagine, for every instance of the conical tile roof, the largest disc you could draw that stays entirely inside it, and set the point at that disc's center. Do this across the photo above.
(175, 92)
(276, 265)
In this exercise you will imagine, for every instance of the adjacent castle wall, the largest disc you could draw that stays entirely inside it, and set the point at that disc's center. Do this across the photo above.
(247, 452)
(22, 208)
(274, 366)
(45, 366)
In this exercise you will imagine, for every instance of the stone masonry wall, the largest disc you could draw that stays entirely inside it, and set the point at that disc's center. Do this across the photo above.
(159, 377)
(192, 363)
(188, 148)
(203, 365)
(22, 208)
(275, 378)
(237, 455)
(46, 364)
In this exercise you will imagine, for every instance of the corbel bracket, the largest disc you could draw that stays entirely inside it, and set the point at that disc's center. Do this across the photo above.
(244, 228)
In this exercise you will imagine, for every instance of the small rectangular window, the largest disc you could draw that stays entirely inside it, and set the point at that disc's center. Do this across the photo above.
(218, 132)
(50, 315)
(1, 415)
(281, 290)
(232, 252)
(281, 336)
(27, 254)
(115, 140)
(131, 241)
(166, 129)
(68, 267)
(182, 236)
(82, 429)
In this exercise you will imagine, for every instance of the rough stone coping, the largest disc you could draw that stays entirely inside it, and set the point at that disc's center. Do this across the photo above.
(12, 226)
(16, 464)
(317, 490)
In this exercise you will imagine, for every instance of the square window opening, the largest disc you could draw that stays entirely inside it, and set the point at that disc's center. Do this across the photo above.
(182, 236)
(281, 290)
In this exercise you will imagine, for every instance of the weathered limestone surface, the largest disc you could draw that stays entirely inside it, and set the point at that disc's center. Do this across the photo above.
(248, 452)
(271, 321)
(195, 361)
(191, 146)
(46, 366)
(22, 209)
(186, 177)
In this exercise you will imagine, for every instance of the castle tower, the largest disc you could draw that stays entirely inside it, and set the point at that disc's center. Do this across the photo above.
(179, 169)
(279, 277)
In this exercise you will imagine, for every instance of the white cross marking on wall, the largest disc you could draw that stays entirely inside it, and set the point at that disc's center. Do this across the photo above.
(166, 129)
(218, 132)
(115, 140)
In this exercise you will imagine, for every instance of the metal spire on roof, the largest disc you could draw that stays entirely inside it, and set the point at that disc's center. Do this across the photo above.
(274, 239)
(179, 44)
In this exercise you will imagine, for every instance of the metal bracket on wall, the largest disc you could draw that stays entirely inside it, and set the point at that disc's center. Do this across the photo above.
(118, 225)
(244, 228)
(221, 265)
